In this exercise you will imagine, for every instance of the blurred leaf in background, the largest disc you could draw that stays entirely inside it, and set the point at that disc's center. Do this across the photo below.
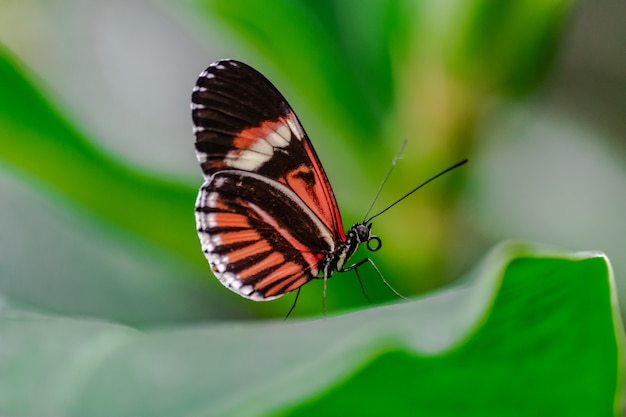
(110, 82)
(98, 180)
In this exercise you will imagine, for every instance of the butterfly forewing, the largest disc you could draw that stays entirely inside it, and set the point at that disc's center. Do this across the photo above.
(243, 122)
(266, 214)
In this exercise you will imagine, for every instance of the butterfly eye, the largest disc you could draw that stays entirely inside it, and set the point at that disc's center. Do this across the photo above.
(378, 243)
(363, 233)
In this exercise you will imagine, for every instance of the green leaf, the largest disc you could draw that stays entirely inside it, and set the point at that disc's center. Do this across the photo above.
(530, 331)
(37, 140)
(507, 47)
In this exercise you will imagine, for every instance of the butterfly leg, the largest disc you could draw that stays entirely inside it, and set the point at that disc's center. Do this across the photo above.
(380, 275)
(324, 295)
(358, 277)
(293, 305)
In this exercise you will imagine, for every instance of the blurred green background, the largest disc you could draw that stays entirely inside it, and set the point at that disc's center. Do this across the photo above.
(98, 175)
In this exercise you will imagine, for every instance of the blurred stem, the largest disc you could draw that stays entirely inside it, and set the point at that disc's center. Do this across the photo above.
(440, 115)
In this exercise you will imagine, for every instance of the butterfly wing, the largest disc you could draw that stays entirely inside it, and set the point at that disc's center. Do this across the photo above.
(243, 122)
(266, 198)
(260, 239)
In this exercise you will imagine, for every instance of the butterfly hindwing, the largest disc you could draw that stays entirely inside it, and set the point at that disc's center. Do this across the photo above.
(253, 234)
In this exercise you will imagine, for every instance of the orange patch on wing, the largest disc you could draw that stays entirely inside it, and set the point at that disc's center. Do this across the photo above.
(289, 284)
(286, 270)
(231, 220)
(258, 247)
(309, 192)
(249, 137)
(239, 236)
(297, 284)
(273, 259)
(321, 198)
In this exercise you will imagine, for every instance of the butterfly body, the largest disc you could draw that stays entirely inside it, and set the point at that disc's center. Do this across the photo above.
(266, 215)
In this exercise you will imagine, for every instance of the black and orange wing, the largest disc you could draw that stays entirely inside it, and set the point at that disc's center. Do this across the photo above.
(243, 122)
(266, 214)
(260, 239)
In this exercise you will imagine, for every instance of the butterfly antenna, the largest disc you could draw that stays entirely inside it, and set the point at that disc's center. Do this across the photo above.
(458, 164)
(382, 184)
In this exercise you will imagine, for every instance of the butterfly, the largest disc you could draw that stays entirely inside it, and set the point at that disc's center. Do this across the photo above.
(266, 214)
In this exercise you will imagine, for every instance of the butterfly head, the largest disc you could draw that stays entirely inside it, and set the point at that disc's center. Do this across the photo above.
(363, 233)
(358, 233)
